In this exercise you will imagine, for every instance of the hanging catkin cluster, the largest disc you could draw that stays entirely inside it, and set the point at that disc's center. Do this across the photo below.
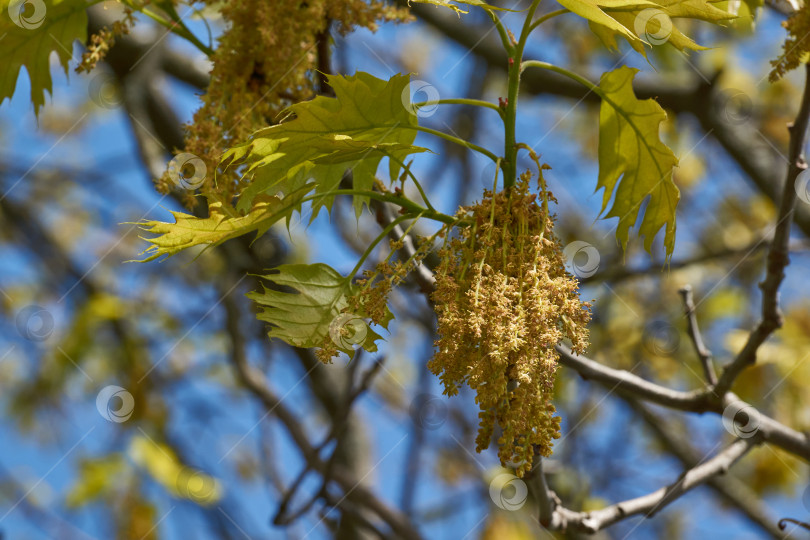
(504, 300)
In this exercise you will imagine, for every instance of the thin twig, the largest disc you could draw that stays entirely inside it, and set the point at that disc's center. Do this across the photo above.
(652, 503)
(704, 354)
(778, 258)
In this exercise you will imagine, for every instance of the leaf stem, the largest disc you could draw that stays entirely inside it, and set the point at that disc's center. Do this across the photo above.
(385, 232)
(510, 116)
(461, 101)
(455, 140)
(548, 16)
(562, 71)
(176, 25)
(399, 200)
(507, 45)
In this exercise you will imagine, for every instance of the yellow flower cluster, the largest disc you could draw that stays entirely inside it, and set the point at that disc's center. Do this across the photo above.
(265, 61)
(797, 45)
(504, 300)
(101, 41)
(370, 300)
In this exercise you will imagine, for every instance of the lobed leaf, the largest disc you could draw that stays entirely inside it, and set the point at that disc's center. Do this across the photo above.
(634, 162)
(644, 22)
(37, 29)
(323, 139)
(314, 310)
(220, 225)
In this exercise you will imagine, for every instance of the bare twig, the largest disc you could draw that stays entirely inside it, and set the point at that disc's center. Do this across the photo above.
(698, 401)
(654, 502)
(703, 353)
(778, 258)
(731, 489)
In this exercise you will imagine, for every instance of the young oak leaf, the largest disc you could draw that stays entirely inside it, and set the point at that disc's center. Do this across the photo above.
(30, 32)
(219, 226)
(314, 310)
(634, 162)
(323, 139)
(643, 22)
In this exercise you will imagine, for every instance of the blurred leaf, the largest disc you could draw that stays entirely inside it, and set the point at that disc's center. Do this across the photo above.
(162, 464)
(632, 155)
(504, 526)
(368, 119)
(97, 478)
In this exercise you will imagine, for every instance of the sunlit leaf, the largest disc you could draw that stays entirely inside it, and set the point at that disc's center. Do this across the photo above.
(634, 162)
(643, 22)
(219, 226)
(322, 139)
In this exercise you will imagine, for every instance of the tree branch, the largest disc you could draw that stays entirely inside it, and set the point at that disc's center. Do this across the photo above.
(652, 503)
(730, 488)
(704, 354)
(778, 258)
